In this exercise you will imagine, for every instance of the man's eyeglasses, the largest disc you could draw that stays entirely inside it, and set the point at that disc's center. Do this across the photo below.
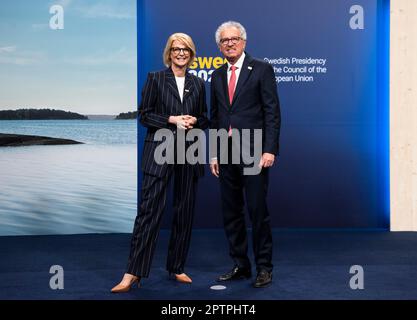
(177, 50)
(234, 40)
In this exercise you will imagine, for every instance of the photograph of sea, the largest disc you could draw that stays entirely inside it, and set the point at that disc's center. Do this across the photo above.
(66, 189)
(67, 69)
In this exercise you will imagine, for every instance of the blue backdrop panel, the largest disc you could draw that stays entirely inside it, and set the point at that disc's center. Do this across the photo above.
(333, 169)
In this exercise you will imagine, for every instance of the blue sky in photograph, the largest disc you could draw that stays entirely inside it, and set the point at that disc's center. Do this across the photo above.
(89, 67)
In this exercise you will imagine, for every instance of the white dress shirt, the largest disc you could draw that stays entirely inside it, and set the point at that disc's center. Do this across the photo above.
(180, 84)
(238, 64)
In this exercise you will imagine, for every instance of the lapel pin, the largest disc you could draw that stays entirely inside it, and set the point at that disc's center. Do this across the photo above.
(186, 90)
(250, 68)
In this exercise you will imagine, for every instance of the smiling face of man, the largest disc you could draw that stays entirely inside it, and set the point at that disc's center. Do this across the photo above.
(231, 44)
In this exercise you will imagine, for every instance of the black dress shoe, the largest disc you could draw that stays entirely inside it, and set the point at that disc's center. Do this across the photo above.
(263, 279)
(236, 274)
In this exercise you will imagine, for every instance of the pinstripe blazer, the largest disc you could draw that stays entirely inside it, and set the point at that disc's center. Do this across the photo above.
(160, 100)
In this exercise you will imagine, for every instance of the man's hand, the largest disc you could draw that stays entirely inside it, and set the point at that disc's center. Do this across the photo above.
(267, 160)
(214, 167)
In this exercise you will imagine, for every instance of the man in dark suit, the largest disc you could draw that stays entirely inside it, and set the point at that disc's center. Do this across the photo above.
(244, 96)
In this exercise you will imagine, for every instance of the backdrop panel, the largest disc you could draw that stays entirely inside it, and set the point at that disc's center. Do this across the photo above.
(331, 63)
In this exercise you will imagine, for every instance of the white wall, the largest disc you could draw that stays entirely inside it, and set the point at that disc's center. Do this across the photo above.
(403, 115)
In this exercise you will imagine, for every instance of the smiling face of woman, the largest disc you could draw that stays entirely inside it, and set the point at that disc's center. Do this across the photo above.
(180, 54)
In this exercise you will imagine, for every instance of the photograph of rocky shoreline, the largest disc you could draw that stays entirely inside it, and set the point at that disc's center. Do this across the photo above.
(16, 140)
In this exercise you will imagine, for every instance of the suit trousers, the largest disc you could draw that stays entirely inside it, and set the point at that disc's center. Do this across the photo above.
(148, 220)
(234, 188)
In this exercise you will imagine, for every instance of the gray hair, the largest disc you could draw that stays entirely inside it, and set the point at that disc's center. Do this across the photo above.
(229, 24)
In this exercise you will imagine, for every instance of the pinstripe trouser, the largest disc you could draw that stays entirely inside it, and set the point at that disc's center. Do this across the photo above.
(148, 220)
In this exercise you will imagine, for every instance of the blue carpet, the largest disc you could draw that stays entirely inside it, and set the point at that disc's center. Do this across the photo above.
(307, 265)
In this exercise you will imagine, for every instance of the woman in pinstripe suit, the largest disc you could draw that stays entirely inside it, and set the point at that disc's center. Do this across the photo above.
(171, 99)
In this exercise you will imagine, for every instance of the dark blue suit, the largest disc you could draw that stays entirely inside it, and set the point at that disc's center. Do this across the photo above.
(160, 99)
(255, 105)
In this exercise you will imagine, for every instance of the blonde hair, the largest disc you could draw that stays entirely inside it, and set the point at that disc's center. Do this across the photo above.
(186, 40)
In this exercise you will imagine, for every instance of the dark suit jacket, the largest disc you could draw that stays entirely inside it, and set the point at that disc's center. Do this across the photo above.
(160, 99)
(255, 104)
